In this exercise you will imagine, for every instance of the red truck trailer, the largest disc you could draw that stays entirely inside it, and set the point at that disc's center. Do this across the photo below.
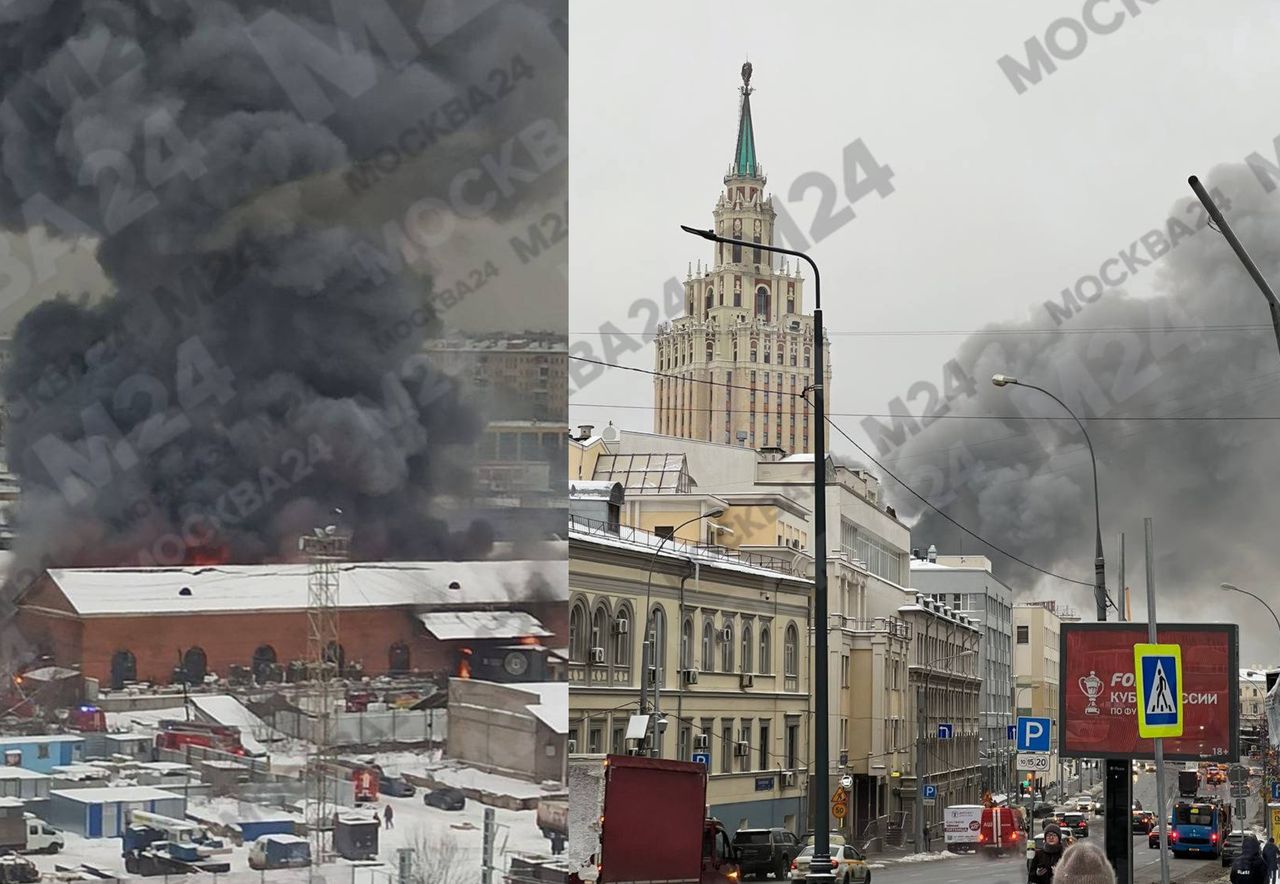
(653, 825)
(178, 734)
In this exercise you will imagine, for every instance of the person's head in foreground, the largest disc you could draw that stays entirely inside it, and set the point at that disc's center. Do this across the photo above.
(1084, 863)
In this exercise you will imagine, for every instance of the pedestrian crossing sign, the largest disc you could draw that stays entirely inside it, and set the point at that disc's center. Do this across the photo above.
(1157, 671)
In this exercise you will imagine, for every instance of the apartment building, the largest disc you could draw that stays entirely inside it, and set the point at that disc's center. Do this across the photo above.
(729, 670)
(967, 584)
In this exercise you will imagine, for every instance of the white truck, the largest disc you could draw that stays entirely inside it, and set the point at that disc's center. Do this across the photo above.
(42, 837)
(961, 826)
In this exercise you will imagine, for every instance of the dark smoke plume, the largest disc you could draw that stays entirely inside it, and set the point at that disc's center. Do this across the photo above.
(1210, 484)
(242, 353)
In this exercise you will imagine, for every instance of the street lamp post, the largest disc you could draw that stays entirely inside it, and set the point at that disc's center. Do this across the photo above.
(649, 654)
(1231, 587)
(820, 866)
(1117, 784)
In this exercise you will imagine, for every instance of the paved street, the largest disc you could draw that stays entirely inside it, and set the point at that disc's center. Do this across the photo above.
(1012, 870)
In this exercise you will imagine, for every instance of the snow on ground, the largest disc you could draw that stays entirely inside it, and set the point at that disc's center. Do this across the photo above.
(148, 719)
(232, 810)
(469, 778)
(928, 857)
(426, 829)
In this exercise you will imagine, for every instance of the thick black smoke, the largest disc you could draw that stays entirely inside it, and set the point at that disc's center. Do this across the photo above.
(1209, 483)
(242, 357)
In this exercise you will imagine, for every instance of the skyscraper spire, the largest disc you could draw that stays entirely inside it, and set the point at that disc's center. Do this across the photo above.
(744, 155)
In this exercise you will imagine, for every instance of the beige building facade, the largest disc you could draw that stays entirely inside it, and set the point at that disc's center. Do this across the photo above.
(1037, 634)
(733, 368)
(730, 664)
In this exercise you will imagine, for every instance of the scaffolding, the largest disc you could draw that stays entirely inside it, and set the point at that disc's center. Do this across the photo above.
(325, 550)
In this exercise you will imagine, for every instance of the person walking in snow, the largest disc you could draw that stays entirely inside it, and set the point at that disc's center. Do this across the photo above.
(389, 817)
(1271, 856)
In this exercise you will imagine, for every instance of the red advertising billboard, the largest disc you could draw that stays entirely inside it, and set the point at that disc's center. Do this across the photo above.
(1098, 698)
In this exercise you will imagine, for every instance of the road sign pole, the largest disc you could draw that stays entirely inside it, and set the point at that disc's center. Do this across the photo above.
(1163, 815)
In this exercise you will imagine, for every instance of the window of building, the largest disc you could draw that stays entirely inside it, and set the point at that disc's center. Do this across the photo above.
(622, 637)
(1024, 635)
(686, 644)
(667, 531)
(599, 627)
(790, 648)
(708, 647)
(764, 651)
(762, 302)
(726, 746)
(710, 299)
(737, 252)
(595, 733)
(577, 625)
(764, 744)
(618, 748)
(755, 256)
(658, 630)
(844, 670)
(726, 648)
(791, 308)
(746, 647)
(744, 761)
(793, 746)
(683, 746)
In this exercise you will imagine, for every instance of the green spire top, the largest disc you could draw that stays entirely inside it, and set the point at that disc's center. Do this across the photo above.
(744, 156)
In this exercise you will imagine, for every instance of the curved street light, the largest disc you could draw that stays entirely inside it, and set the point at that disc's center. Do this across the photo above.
(649, 652)
(1231, 587)
(1100, 597)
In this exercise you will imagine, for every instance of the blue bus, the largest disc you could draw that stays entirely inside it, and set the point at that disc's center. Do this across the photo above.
(1198, 828)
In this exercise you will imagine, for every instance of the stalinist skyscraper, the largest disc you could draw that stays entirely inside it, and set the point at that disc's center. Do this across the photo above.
(732, 368)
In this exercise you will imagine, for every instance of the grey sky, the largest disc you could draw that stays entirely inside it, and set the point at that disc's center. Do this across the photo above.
(1001, 199)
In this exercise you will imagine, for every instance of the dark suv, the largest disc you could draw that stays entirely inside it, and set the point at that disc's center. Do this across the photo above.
(764, 851)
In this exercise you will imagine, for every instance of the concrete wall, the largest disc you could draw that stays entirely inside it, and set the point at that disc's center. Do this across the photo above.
(490, 728)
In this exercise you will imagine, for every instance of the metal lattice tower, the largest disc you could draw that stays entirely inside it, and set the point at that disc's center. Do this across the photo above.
(325, 551)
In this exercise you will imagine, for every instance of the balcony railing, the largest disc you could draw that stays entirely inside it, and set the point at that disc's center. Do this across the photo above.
(887, 625)
(712, 554)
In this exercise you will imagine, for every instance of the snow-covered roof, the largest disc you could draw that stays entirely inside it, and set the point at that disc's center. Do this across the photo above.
(236, 588)
(109, 794)
(592, 489)
(923, 565)
(230, 711)
(644, 541)
(553, 706)
(802, 457)
(50, 673)
(31, 740)
(446, 625)
(21, 773)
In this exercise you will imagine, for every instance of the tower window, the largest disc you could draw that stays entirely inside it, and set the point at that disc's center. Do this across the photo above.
(710, 301)
(756, 250)
(737, 251)
(762, 302)
(791, 305)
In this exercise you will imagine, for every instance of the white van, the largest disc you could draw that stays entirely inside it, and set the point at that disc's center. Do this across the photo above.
(42, 837)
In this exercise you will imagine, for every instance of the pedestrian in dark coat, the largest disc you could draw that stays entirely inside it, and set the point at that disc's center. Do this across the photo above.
(1249, 867)
(1271, 856)
(389, 817)
(1042, 864)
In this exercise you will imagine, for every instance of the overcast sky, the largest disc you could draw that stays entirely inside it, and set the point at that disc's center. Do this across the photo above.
(1000, 199)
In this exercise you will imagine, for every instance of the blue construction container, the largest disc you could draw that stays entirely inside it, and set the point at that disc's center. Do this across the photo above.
(42, 753)
(252, 830)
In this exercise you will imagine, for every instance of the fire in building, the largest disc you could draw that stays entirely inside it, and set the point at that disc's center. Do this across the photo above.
(499, 621)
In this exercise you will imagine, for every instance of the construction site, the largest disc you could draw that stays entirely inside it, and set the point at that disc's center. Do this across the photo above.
(442, 761)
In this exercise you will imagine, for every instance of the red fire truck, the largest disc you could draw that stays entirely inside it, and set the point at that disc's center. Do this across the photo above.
(179, 734)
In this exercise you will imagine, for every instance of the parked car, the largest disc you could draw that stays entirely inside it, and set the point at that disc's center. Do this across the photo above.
(765, 851)
(445, 799)
(1153, 838)
(396, 787)
(1231, 847)
(1042, 809)
(1076, 823)
(850, 865)
(1143, 822)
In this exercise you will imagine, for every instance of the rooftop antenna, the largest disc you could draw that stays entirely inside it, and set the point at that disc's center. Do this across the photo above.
(1220, 224)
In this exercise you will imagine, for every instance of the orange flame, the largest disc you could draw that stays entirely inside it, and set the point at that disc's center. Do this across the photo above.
(528, 640)
(464, 663)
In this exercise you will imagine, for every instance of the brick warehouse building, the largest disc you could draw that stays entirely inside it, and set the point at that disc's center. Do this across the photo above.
(135, 624)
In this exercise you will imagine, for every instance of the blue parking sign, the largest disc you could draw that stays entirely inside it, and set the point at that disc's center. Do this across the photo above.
(1033, 734)
(702, 758)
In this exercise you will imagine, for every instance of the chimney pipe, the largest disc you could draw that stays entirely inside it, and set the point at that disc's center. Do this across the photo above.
(584, 432)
